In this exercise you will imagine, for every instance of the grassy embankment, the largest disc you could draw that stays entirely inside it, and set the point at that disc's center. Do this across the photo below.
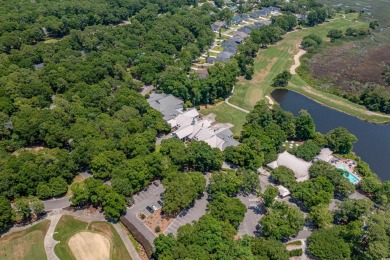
(26, 244)
(276, 58)
(228, 114)
(69, 226)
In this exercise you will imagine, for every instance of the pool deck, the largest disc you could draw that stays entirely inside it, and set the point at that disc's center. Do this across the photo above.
(350, 166)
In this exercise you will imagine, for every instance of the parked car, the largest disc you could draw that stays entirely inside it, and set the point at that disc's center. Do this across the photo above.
(155, 183)
(159, 202)
(154, 207)
(148, 208)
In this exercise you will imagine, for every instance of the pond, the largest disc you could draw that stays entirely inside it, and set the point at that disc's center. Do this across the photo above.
(373, 145)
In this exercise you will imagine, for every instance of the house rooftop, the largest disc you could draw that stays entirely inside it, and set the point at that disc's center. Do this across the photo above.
(168, 105)
(224, 56)
(297, 165)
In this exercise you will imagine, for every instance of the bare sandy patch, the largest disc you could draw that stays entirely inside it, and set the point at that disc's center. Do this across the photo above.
(89, 246)
(270, 100)
(28, 149)
(297, 62)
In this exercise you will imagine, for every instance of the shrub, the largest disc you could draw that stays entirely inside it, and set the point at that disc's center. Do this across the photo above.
(157, 229)
(295, 252)
(294, 243)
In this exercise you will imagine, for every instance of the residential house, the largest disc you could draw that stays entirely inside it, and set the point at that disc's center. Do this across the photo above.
(218, 25)
(246, 29)
(245, 17)
(210, 60)
(241, 34)
(168, 105)
(237, 39)
(202, 73)
(224, 56)
(237, 19)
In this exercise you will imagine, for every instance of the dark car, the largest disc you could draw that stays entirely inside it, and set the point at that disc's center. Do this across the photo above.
(159, 202)
(148, 208)
(156, 183)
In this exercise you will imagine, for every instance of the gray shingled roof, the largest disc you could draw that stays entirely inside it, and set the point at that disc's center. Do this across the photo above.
(227, 136)
(224, 56)
(210, 60)
(167, 105)
(246, 29)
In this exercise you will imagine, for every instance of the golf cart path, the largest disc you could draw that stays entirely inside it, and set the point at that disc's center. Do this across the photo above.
(234, 106)
(49, 242)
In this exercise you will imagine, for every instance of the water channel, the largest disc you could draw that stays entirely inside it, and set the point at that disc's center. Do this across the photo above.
(373, 145)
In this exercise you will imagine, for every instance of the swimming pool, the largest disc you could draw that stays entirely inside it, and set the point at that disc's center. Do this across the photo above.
(348, 175)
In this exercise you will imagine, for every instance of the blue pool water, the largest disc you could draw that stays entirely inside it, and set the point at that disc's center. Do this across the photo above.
(348, 175)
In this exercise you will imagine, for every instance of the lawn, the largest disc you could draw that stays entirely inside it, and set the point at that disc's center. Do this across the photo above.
(69, 226)
(26, 244)
(217, 48)
(228, 114)
(276, 58)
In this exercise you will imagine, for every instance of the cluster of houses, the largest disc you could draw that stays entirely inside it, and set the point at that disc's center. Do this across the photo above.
(188, 125)
(230, 46)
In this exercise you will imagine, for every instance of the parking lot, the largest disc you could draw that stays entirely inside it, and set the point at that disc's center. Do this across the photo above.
(148, 197)
(192, 214)
(145, 198)
(252, 216)
(187, 216)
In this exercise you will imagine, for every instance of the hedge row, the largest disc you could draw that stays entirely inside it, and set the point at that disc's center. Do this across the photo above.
(295, 252)
(138, 236)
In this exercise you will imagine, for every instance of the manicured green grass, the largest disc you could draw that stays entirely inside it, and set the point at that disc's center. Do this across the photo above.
(217, 48)
(26, 244)
(336, 102)
(276, 58)
(69, 226)
(228, 114)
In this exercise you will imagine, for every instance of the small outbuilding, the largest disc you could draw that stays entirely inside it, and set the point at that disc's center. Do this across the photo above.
(283, 191)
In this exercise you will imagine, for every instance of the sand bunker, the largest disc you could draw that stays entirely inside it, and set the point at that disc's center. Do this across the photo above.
(297, 62)
(90, 246)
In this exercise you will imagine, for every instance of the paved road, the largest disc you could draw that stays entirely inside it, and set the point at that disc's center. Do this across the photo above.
(192, 214)
(145, 198)
(252, 216)
(57, 203)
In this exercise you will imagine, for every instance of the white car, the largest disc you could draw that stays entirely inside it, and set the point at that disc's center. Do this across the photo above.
(154, 207)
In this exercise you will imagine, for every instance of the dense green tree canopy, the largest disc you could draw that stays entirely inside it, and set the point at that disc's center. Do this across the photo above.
(313, 192)
(5, 213)
(284, 176)
(305, 127)
(308, 150)
(227, 209)
(228, 183)
(340, 140)
(283, 221)
(182, 189)
(327, 244)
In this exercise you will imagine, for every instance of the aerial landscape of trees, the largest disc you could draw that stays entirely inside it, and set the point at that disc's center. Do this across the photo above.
(70, 77)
